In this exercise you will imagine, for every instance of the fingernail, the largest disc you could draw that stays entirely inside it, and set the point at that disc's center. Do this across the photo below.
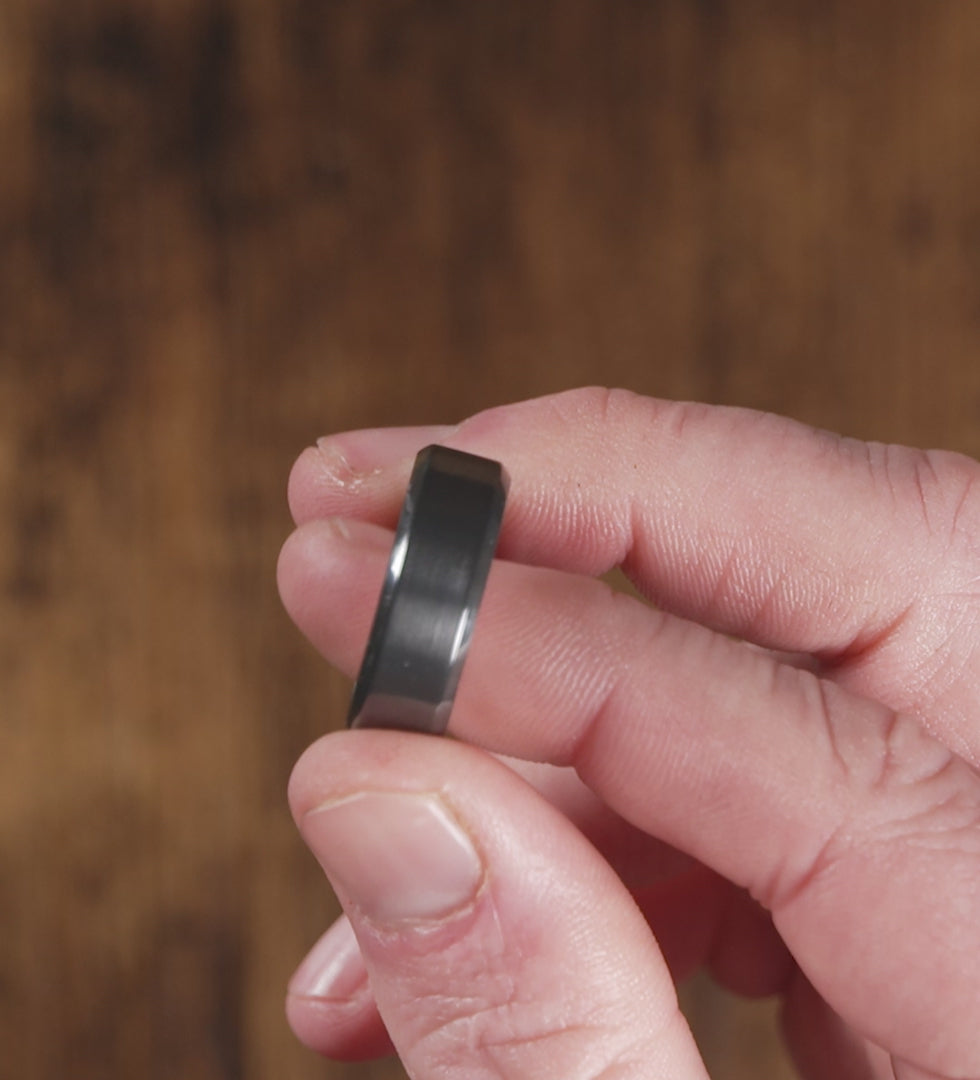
(396, 856)
(363, 452)
(333, 969)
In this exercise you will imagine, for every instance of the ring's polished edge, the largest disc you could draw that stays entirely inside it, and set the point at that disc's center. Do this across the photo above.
(437, 571)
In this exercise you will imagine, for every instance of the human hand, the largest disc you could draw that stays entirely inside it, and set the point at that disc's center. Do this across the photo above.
(824, 764)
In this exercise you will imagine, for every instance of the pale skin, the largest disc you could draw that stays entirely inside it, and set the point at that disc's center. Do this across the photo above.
(771, 770)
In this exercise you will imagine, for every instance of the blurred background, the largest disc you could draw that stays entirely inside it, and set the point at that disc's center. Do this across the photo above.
(230, 226)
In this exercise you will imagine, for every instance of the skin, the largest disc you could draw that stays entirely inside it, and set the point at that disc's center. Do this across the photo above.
(770, 770)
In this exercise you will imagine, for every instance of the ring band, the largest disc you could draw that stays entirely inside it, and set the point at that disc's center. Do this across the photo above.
(443, 548)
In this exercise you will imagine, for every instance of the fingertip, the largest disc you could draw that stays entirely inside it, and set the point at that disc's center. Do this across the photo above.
(470, 977)
(304, 777)
(296, 484)
(329, 1004)
(289, 564)
(356, 473)
(327, 566)
(371, 450)
(305, 556)
(344, 1031)
(324, 483)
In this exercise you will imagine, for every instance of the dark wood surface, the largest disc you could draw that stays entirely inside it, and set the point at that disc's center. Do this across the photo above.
(227, 227)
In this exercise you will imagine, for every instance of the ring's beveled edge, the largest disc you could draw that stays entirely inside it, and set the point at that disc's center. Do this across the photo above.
(389, 589)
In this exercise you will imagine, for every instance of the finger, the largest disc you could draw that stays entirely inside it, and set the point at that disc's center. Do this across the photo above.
(825, 806)
(750, 523)
(642, 861)
(330, 1006)
(331, 1009)
(496, 939)
(798, 540)
(696, 917)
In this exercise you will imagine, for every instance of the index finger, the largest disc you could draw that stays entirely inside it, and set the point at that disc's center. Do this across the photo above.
(751, 524)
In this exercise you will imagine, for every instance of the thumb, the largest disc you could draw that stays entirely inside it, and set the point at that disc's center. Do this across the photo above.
(497, 940)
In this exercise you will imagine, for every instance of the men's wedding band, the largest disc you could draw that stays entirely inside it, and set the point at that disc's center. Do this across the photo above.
(443, 548)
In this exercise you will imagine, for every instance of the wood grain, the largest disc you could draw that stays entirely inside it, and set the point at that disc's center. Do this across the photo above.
(229, 226)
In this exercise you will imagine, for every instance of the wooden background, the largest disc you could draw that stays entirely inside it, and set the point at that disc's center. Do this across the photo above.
(228, 226)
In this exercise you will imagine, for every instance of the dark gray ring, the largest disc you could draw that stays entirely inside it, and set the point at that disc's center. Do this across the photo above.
(437, 571)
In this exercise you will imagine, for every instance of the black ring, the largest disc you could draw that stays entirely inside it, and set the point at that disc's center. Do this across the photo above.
(437, 571)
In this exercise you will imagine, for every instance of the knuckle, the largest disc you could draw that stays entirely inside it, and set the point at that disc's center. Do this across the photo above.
(493, 1008)
(602, 410)
(947, 504)
(923, 795)
(593, 408)
(941, 491)
(935, 501)
(517, 1037)
(900, 789)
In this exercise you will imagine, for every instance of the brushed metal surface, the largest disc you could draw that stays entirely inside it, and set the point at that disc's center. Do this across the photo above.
(436, 574)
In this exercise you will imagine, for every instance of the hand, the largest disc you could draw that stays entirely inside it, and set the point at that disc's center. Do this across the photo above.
(772, 771)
